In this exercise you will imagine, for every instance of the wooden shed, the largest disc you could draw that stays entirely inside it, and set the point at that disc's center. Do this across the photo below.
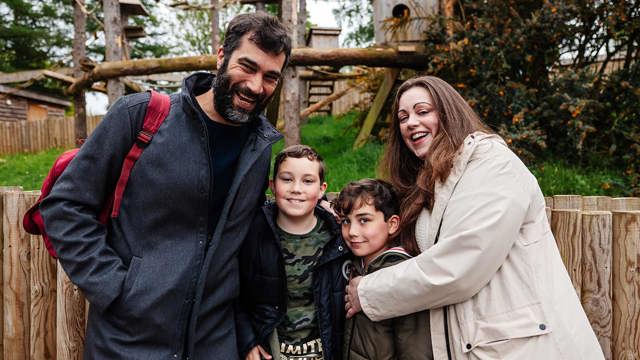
(24, 105)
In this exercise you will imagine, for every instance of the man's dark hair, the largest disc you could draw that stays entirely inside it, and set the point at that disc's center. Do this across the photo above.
(374, 192)
(298, 152)
(267, 32)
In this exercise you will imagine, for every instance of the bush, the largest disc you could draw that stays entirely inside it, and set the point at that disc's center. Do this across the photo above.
(529, 69)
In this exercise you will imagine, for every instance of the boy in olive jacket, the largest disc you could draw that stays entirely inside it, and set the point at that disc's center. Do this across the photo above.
(369, 218)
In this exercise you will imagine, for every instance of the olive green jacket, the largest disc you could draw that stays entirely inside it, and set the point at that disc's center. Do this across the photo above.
(405, 337)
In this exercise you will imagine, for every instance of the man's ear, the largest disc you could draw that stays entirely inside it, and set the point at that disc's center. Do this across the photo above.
(393, 224)
(219, 57)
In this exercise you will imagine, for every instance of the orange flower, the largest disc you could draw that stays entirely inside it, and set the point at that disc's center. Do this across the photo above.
(576, 112)
(517, 118)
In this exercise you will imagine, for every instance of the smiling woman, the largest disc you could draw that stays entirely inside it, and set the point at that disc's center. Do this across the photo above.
(486, 264)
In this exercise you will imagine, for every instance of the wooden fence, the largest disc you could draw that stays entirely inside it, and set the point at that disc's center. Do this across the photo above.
(598, 237)
(34, 136)
(599, 241)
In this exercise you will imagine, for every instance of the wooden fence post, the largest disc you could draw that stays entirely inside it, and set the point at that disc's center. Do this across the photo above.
(70, 319)
(16, 278)
(43, 295)
(626, 285)
(561, 202)
(596, 203)
(566, 225)
(596, 275)
(625, 203)
(3, 190)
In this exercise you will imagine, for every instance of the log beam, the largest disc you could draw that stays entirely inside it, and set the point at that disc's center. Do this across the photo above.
(374, 57)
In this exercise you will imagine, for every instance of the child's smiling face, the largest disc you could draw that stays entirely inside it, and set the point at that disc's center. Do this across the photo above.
(297, 187)
(366, 232)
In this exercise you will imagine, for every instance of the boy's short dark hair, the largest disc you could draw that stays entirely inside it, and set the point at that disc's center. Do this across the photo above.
(378, 193)
(267, 32)
(299, 152)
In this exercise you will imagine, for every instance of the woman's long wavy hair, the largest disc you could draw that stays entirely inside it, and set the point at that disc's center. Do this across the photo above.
(413, 178)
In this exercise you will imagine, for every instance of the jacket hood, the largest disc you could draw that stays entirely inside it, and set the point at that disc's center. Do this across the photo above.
(200, 82)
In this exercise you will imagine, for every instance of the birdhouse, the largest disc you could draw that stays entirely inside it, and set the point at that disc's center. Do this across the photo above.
(402, 22)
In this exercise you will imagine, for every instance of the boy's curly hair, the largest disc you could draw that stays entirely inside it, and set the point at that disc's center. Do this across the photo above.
(378, 193)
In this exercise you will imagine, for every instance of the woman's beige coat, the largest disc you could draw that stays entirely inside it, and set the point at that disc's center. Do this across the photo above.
(494, 281)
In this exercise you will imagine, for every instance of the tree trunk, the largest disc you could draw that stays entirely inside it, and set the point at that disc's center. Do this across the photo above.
(373, 57)
(291, 83)
(448, 10)
(113, 45)
(79, 52)
(214, 26)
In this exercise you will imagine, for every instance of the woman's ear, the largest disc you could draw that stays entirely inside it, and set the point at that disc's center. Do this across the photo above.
(393, 224)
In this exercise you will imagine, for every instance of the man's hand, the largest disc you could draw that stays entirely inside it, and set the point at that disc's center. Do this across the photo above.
(351, 299)
(257, 353)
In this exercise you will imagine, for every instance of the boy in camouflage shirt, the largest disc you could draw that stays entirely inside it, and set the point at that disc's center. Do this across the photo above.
(293, 268)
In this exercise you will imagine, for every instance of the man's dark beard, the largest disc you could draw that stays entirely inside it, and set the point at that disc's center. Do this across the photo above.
(223, 93)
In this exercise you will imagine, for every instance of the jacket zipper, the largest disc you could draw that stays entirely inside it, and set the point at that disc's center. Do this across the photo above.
(208, 238)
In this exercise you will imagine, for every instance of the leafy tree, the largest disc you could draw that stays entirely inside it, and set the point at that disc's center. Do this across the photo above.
(358, 16)
(552, 77)
(33, 34)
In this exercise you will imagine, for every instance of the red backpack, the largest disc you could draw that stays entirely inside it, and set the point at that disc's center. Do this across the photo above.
(157, 111)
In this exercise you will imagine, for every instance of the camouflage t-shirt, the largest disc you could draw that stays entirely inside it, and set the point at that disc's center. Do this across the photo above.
(298, 334)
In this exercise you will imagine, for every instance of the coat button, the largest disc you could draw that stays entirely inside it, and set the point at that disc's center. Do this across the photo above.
(542, 326)
(340, 248)
(468, 346)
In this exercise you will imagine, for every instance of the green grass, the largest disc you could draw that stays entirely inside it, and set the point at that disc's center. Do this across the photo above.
(27, 170)
(333, 138)
(557, 177)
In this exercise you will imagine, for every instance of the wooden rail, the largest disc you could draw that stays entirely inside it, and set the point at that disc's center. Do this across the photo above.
(599, 240)
(34, 136)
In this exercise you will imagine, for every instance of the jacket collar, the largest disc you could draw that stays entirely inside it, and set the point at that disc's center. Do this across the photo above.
(335, 248)
(389, 256)
(443, 191)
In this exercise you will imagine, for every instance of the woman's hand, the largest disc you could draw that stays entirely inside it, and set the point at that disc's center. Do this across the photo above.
(257, 353)
(351, 299)
(327, 206)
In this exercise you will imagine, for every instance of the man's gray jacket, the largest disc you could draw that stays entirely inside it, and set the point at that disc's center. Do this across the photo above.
(158, 287)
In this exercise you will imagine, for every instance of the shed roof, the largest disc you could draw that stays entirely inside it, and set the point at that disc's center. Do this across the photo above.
(33, 96)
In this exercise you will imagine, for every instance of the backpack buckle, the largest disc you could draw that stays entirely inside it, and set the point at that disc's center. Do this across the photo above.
(144, 138)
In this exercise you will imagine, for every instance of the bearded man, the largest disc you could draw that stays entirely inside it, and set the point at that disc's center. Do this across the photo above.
(162, 276)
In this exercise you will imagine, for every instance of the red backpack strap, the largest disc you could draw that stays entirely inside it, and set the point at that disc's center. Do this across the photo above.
(157, 111)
